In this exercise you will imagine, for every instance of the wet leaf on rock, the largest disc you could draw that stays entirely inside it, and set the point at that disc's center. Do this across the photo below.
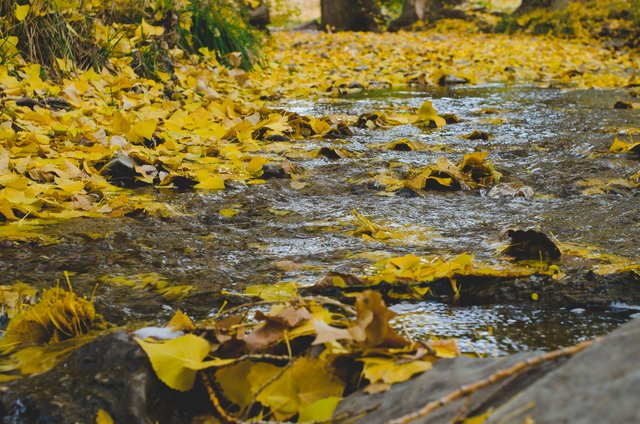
(392, 370)
(427, 116)
(372, 327)
(620, 146)
(176, 361)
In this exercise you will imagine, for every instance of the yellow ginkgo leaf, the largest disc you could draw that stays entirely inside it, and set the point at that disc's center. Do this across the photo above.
(145, 30)
(427, 114)
(273, 292)
(229, 212)
(22, 11)
(235, 384)
(254, 167)
(389, 371)
(176, 361)
(146, 128)
(214, 182)
(68, 185)
(307, 381)
(320, 410)
(620, 146)
(181, 322)
(103, 417)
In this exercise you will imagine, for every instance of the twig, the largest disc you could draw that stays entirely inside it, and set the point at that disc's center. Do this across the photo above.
(492, 379)
(216, 402)
(318, 299)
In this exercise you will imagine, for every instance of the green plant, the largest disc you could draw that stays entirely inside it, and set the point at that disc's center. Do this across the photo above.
(48, 33)
(221, 27)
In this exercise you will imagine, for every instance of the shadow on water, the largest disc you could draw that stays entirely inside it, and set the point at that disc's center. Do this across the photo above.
(543, 138)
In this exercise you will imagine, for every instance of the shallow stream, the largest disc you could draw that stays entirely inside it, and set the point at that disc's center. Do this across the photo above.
(543, 138)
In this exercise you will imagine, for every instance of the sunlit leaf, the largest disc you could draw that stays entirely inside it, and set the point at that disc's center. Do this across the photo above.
(306, 382)
(176, 361)
(21, 11)
(427, 114)
(320, 410)
(103, 417)
(391, 371)
(275, 291)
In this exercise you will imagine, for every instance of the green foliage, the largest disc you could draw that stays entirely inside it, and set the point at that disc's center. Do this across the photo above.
(49, 32)
(220, 27)
(63, 36)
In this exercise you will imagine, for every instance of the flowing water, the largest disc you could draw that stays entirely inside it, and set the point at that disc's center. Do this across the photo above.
(543, 138)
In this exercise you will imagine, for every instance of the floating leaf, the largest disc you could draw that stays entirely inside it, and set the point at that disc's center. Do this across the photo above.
(275, 291)
(229, 212)
(57, 316)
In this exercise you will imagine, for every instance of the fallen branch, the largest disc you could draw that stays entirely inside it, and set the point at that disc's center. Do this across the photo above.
(492, 379)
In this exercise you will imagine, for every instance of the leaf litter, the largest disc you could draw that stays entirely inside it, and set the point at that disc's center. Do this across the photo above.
(84, 146)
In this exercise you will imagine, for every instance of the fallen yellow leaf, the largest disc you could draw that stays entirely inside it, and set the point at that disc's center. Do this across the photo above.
(176, 361)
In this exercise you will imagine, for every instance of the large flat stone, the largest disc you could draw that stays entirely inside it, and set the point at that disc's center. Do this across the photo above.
(598, 385)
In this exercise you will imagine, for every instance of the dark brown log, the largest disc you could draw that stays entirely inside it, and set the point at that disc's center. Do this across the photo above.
(350, 15)
(412, 12)
(259, 17)
(426, 10)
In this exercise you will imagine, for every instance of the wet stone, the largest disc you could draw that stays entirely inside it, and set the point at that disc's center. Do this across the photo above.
(273, 170)
(452, 80)
(596, 385)
(110, 373)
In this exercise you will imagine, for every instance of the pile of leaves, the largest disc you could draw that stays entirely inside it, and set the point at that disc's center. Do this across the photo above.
(119, 132)
(44, 327)
(412, 277)
(472, 172)
(616, 19)
(303, 64)
(294, 361)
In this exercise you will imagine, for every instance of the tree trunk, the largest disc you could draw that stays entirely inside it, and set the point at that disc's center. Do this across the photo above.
(426, 10)
(529, 5)
(412, 12)
(259, 17)
(350, 15)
